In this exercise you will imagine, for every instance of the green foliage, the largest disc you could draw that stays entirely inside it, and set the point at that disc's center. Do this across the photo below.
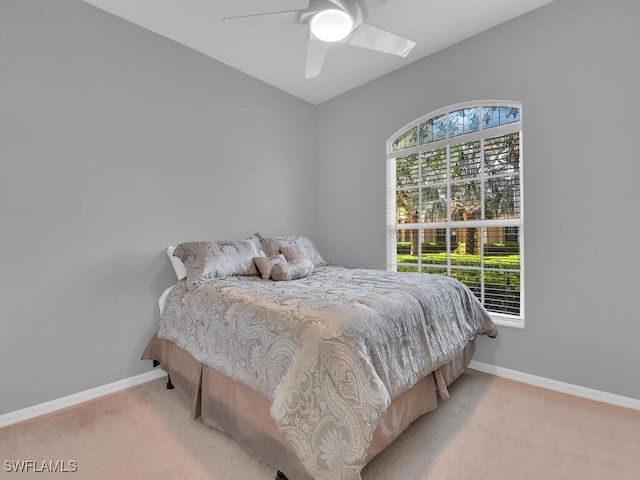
(501, 276)
(434, 247)
(461, 260)
(502, 248)
(404, 248)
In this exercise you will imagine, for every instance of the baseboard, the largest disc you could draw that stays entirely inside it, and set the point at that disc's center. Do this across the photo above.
(76, 398)
(557, 386)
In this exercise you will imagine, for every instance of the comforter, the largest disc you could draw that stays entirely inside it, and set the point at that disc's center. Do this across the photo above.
(330, 351)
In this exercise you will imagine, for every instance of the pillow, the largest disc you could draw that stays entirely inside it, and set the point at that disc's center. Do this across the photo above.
(304, 248)
(290, 254)
(207, 260)
(265, 264)
(177, 264)
(292, 270)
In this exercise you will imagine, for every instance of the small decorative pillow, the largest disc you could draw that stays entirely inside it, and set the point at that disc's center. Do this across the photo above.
(265, 264)
(292, 270)
(207, 260)
(290, 254)
(303, 247)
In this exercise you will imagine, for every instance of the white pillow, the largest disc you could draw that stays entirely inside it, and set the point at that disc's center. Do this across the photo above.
(178, 266)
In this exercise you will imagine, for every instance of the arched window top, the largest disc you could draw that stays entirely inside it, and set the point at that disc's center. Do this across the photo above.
(453, 121)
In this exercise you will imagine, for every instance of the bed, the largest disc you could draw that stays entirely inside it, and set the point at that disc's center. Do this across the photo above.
(314, 368)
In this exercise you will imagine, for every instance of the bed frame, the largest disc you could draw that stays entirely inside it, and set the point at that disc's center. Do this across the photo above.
(243, 414)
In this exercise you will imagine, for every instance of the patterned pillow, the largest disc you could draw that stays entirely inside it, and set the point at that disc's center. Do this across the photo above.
(265, 264)
(292, 270)
(205, 261)
(302, 246)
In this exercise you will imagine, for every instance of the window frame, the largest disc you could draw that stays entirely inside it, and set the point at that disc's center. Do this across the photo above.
(504, 319)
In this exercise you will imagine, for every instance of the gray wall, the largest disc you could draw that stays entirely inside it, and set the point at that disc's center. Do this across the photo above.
(114, 143)
(573, 64)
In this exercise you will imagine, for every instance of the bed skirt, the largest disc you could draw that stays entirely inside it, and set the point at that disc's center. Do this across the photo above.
(242, 413)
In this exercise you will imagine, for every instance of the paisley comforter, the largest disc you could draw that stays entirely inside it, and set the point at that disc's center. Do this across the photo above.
(330, 350)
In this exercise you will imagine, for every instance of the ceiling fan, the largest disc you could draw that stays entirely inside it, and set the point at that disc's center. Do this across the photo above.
(334, 21)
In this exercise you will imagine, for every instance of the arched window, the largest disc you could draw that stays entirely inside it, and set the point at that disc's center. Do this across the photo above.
(454, 201)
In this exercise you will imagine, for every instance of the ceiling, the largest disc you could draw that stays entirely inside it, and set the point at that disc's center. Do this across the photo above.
(276, 54)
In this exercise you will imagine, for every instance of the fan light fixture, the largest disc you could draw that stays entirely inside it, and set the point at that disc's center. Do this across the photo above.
(331, 21)
(331, 25)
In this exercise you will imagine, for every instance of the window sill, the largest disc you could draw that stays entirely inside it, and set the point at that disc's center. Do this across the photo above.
(511, 321)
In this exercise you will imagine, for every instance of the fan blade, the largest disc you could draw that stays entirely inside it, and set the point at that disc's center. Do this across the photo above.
(288, 16)
(375, 38)
(316, 51)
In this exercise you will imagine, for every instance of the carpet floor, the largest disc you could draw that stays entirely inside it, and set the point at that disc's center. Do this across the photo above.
(491, 428)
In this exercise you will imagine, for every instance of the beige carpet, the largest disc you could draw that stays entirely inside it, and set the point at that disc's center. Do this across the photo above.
(491, 428)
